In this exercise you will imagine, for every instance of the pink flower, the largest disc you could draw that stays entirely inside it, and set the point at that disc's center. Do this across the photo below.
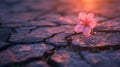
(86, 23)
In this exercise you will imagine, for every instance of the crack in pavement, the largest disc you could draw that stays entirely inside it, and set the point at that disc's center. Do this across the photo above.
(95, 48)
(12, 44)
(48, 53)
(45, 57)
(69, 43)
(44, 40)
(107, 31)
(83, 58)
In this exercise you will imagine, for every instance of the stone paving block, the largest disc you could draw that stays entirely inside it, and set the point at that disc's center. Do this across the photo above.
(58, 39)
(4, 34)
(37, 64)
(22, 52)
(17, 37)
(65, 57)
(99, 39)
(108, 58)
(24, 30)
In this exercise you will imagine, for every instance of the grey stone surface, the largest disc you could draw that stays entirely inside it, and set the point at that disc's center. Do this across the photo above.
(104, 58)
(58, 39)
(21, 16)
(4, 34)
(38, 64)
(39, 34)
(66, 57)
(99, 39)
(24, 30)
(2, 44)
(113, 24)
(22, 52)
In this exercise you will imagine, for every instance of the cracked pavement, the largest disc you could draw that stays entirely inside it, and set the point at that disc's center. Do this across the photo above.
(40, 33)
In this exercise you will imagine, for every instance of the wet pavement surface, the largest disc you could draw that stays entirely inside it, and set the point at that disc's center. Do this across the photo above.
(40, 33)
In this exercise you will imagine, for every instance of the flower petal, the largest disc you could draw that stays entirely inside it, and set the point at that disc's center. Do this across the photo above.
(90, 16)
(78, 28)
(82, 16)
(87, 31)
(81, 22)
(92, 23)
